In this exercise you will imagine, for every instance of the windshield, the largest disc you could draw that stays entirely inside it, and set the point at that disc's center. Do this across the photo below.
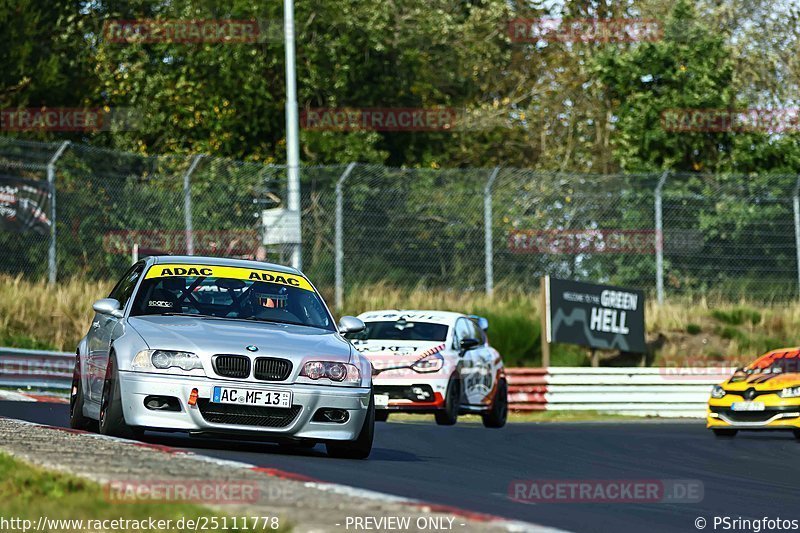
(230, 292)
(401, 331)
(776, 364)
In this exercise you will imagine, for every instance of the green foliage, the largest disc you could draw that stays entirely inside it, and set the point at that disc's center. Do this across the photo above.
(737, 316)
(579, 106)
(693, 329)
(23, 341)
(732, 333)
(584, 106)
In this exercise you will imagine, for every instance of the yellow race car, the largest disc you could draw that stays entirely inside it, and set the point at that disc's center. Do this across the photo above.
(765, 395)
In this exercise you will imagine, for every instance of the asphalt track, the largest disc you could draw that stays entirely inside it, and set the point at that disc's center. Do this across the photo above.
(751, 476)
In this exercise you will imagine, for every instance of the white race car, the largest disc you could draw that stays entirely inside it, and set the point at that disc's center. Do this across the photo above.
(433, 362)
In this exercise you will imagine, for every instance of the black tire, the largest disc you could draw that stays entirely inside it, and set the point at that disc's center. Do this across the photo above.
(381, 415)
(796, 433)
(362, 446)
(452, 402)
(724, 432)
(77, 420)
(498, 414)
(112, 420)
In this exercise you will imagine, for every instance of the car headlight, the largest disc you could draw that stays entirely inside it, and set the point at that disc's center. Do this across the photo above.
(333, 373)
(429, 364)
(790, 392)
(166, 361)
(717, 391)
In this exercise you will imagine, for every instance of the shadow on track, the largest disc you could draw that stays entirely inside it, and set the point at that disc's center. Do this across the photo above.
(180, 440)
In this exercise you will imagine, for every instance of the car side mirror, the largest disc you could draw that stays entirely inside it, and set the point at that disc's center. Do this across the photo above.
(468, 344)
(108, 306)
(351, 324)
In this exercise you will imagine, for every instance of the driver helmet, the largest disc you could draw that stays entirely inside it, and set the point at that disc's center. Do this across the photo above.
(270, 297)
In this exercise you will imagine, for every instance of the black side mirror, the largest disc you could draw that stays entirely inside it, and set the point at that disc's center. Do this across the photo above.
(468, 344)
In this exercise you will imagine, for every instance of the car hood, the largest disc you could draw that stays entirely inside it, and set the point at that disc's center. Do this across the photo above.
(209, 336)
(410, 349)
(762, 381)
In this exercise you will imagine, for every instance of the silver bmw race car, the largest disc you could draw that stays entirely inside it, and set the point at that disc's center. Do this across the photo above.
(221, 346)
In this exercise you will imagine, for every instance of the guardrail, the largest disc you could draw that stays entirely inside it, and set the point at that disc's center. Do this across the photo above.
(631, 391)
(662, 391)
(36, 369)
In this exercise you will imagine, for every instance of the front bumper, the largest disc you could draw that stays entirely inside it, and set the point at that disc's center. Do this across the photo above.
(291, 423)
(778, 413)
(411, 394)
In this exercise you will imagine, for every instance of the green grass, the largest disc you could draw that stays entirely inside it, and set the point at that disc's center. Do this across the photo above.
(29, 492)
(693, 329)
(731, 333)
(737, 316)
(23, 341)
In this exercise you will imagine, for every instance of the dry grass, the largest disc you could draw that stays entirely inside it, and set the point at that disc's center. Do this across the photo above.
(32, 314)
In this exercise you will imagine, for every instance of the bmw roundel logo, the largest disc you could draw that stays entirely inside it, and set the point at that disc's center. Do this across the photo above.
(252, 348)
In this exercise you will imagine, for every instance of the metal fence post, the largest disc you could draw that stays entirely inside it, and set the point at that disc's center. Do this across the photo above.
(660, 239)
(487, 231)
(187, 204)
(796, 202)
(52, 267)
(339, 255)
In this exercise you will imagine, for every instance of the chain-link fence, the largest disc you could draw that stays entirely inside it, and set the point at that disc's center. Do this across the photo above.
(472, 229)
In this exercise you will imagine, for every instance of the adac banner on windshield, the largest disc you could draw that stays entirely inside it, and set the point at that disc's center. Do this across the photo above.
(230, 272)
(24, 205)
(598, 316)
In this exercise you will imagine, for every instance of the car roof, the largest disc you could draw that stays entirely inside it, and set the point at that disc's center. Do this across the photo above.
(222, 261)
(418, 315)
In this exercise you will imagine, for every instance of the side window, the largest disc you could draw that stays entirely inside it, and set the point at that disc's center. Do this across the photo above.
(462, 331)
(124, 289)
(477, 332)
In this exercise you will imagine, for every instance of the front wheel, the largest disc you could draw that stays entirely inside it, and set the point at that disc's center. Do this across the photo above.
(498, 414)
(112, 421)
(796, 433)
(362, 446)
(452, 401)
(76, 418)
(724, 432)
(381, 415)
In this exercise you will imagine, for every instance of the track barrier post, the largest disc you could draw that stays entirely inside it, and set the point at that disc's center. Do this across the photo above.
(339, 254)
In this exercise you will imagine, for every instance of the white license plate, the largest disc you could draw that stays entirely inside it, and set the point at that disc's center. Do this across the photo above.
(381, 400)
(259, 397)
(747, 406)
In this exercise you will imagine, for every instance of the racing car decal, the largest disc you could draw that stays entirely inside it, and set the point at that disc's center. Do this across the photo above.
(382, 362)
(178, 270)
